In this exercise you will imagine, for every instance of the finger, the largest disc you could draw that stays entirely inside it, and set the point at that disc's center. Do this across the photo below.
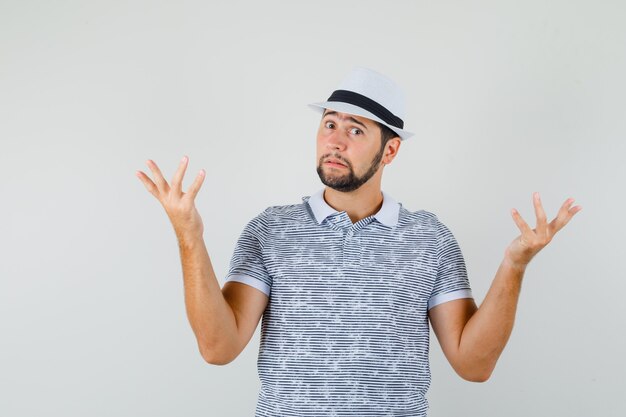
(197, 183)
(147, 182)
(519, 221)
(540, 213)
(565, 214)
(158, 177)
(177, 180)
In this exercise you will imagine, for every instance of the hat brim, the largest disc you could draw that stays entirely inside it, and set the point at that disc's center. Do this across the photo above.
(357, 111)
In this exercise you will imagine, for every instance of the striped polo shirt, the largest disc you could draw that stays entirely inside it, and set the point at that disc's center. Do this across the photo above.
(345, 332)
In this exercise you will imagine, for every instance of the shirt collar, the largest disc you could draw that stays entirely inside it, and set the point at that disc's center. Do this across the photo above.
(387, 215)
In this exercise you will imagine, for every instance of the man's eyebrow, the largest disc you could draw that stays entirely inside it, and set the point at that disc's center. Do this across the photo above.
(352, 119)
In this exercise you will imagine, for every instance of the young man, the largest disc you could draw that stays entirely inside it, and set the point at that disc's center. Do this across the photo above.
(348, 280)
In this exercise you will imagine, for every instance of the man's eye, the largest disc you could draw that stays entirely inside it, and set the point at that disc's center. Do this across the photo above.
(329, 125)
(356, 131)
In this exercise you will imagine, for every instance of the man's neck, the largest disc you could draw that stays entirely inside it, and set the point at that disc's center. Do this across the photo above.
(358, 204)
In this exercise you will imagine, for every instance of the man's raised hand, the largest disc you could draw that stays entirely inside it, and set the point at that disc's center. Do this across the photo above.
(178, 205)
(531, 241)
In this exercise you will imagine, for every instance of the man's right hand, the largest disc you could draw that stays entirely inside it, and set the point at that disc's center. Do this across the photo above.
(179, 206)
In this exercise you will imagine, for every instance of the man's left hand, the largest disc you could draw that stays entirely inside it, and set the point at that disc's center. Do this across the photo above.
(531, 241)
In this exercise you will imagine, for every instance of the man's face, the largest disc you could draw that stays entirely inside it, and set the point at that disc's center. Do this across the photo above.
(348, 150)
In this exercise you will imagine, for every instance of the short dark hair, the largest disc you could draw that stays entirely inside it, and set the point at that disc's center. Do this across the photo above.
(385, 135)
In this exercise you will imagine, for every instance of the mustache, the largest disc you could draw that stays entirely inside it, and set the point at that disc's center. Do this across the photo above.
(336, 156)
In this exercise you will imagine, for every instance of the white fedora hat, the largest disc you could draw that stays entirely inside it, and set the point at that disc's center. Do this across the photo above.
(369, 94)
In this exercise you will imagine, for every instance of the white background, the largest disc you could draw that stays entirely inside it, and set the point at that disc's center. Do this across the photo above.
(505, 98)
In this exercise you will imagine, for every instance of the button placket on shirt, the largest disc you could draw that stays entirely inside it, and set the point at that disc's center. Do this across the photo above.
(352, 251)
(350, 248)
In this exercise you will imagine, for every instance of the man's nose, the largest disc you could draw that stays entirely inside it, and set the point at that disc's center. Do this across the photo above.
(336, 140)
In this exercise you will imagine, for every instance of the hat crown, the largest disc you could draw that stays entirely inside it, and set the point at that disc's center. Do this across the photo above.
(377, 87)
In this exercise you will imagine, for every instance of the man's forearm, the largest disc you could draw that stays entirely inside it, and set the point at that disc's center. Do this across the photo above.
(485, 335)
(210, 316)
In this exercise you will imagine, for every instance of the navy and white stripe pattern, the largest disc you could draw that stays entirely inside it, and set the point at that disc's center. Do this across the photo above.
(346, 329)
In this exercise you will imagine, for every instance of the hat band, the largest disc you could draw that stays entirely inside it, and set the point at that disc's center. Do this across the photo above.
(368, 104)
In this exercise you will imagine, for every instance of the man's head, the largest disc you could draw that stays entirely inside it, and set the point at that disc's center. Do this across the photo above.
(352, 149)
(360, 131)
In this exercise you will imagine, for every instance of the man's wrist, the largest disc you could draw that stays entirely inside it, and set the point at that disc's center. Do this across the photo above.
(189, 239)
(516, 266)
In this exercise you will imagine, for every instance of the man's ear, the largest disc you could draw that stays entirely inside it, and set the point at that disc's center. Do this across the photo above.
(391, 149)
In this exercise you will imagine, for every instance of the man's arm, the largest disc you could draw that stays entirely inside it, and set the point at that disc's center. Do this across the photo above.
(473, 338)
(223, 321)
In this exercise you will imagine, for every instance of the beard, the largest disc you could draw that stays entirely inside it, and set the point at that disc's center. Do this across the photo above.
(348, 181)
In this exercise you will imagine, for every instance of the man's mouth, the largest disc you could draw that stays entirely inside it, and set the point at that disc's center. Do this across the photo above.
(335, 163)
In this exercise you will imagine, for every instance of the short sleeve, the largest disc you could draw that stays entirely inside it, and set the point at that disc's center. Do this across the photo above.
(247, 265)
(451, 282)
